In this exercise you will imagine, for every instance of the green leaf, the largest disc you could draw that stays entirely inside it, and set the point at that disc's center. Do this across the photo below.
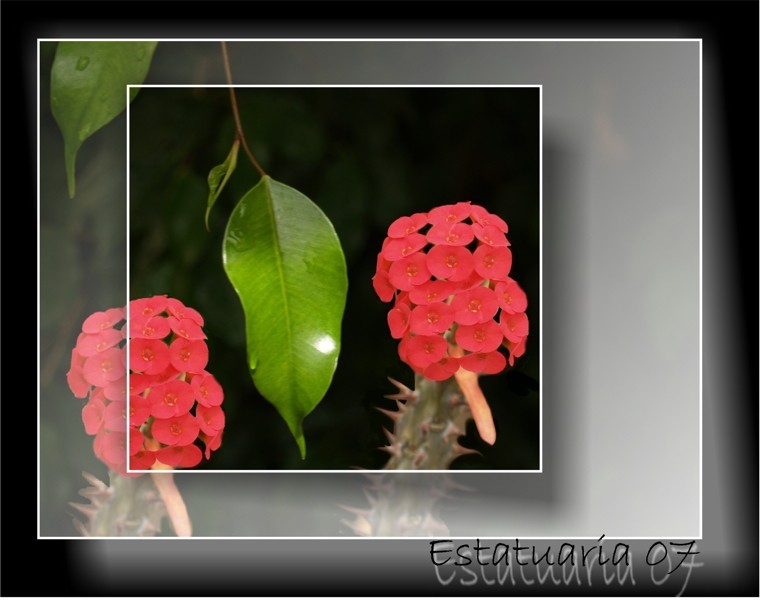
(284, 259)
(87, 88)
(219, 176)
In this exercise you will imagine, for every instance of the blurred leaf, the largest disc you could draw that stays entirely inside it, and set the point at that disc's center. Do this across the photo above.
(284, 259)
(219, 176)
(87, 88)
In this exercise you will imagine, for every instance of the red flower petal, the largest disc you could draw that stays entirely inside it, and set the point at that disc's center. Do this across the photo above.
(488, 363)
(442, 369)
(515, 326)
(90, 344)
(177, 431)
(382, 286)
(104, 367)
(151, 327)
(92, 414)
(140, 410)
(99, 321)
(189, 356)
(431, 319)
(148, 356)
(432, 291)
(454, 263)
(490, 235)
(407, 225)
(510, 296)
(410, 271)
(396, 249)
(171, 399)
(211, 443)
(116, 391)
(207, 390)
(397, 319)
(474, 306)
(114, 418)
(481, 337)
(423, 350)
(147, 307)
(450, 234)
(492, 262)
(76, 380)
(450, 213)
(516, 349)
(142, 460)
(186, 328)
(180, 311)
(136, 440)
(211, 419)
(179, 456)
(483, 217)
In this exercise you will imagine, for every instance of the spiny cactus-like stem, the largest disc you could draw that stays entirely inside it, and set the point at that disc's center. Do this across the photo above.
(428, 423)
(128, 506)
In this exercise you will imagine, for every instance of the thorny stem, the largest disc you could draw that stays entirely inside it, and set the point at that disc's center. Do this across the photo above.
(234, 107)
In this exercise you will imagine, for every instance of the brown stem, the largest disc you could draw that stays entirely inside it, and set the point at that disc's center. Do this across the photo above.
(234, 107)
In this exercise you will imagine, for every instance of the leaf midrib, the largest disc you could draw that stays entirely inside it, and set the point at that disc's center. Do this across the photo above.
(281, 277)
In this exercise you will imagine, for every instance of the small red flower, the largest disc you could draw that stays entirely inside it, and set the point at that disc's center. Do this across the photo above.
(180, 311)
(407, 225)
(189, 356)
(90, 344)
(409, 272)
(171, 399)
(451, 213)
(483, 217)
(103, 368)
(429, 319)
(397, 319)
(211, 419)
(186, 328)
(490, 235)
(147, 307)
(474, 306)
(492, 262)
(399, 248)
(151, 327)
(454, 263)
(515, 326)
(511, 297)
(423, 350)
(206, 390)
(92, 414)
(100, 321)
(148, 356)
(480, 337)
(175, 431)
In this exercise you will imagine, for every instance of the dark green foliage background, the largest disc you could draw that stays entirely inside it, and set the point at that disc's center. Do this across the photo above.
(366, 156)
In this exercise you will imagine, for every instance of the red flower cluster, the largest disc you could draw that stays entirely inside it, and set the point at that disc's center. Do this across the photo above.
(455, 304)
(173, 400)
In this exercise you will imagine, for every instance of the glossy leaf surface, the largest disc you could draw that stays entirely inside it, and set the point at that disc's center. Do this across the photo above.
(284, 259)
